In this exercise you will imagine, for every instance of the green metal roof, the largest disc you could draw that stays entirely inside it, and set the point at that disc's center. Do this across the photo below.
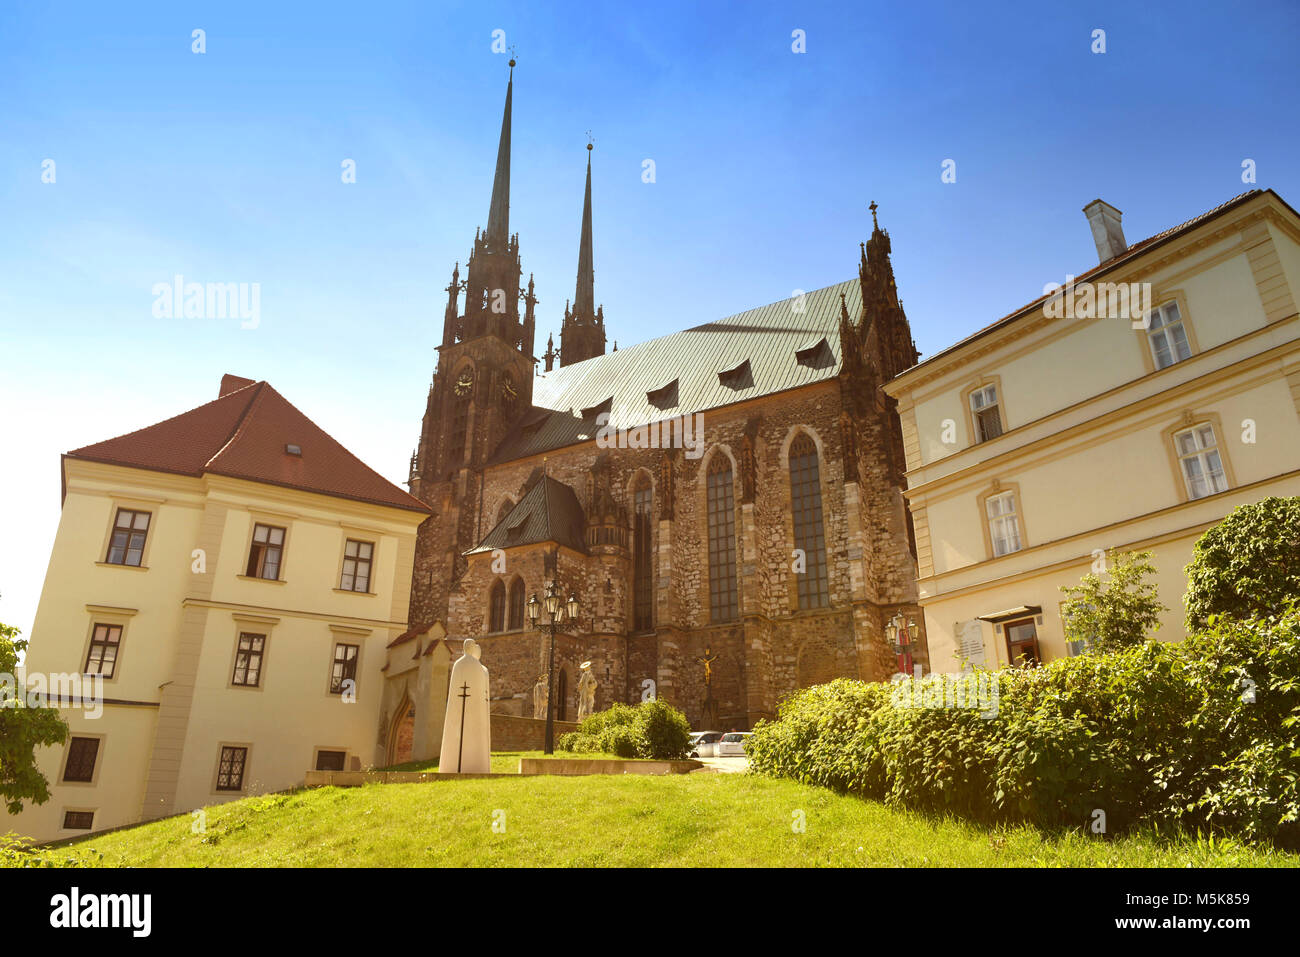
(771, 338)
(548, 512)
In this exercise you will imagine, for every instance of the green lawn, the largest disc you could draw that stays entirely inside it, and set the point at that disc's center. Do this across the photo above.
(507, 762)
(701, 819)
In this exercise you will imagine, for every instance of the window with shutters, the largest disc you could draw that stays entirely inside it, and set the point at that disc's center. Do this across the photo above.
(809, 529)
(723, 604)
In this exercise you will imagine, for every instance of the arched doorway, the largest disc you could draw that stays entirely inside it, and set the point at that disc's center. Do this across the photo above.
(402, 736)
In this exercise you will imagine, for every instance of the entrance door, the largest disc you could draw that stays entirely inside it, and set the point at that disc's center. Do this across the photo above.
(403, 734)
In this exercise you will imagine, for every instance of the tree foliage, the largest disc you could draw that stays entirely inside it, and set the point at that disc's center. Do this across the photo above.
(1248, 564)
(1120, 613)
(22, 731)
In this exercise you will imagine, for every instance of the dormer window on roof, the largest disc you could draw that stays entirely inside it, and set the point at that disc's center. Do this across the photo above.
(812, 353)
(737, 377)
(293, 449)
(592, 411)
(664, 397)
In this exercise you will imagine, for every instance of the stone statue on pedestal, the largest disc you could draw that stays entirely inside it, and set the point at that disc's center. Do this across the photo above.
(541, 691)
(467, 728)
(586, 691)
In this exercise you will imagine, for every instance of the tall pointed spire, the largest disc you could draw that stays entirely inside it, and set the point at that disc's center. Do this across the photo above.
(584, 299)
(498, 226)
(582, 335)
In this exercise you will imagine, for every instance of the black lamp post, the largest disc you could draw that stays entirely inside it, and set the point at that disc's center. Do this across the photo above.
(556, 610)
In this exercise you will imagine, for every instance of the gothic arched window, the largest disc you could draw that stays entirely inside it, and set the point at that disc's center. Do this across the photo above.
(497, 606)
(516, 618)
(642, 557)
(457, 435)
(809, 530)
(723, 605)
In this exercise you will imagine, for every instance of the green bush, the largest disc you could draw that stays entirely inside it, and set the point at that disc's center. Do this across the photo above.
(1248, 564)
(1246, 734)
(651, 729)
(1157, 735)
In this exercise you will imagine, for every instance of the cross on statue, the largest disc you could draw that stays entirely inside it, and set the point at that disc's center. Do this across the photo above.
(464, 696)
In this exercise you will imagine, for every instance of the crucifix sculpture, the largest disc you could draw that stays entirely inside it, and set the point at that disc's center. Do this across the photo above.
(464, 696)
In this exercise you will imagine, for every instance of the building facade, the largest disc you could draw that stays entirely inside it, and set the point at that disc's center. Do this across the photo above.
(213, 623)
(729, 494)
(1071, 427)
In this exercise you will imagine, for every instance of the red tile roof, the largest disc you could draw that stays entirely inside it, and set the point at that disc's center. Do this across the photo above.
(244, 434)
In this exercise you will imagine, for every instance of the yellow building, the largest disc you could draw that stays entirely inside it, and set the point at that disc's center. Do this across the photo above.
(1132, 409)
(220, 595)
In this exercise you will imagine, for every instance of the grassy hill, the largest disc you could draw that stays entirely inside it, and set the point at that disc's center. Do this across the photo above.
(700, 819)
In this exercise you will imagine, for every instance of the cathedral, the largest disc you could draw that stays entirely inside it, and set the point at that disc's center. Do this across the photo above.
(725, 502)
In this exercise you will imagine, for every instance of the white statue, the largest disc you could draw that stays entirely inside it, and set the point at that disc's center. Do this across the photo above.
(541, 691)
(467, 728)
(586, 691)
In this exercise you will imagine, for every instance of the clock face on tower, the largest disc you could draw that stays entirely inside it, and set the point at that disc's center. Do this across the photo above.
(465, 384)
(508, 392)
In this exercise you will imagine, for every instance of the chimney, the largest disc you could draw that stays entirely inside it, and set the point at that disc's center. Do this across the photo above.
(1106, 230)
(233, 383)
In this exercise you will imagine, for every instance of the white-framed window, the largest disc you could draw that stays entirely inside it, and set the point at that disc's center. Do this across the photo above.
(1004, 523)
(1198, 458)
(1167, 336)
(985, 413)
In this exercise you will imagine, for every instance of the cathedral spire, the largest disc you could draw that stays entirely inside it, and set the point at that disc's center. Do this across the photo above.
(584, 299)
(582, 334)
(498, 226)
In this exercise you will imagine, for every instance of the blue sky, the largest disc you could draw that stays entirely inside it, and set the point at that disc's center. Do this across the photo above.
(225, 167)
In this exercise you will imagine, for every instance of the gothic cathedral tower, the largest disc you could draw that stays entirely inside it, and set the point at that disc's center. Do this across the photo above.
(481, 386)
(582, 335)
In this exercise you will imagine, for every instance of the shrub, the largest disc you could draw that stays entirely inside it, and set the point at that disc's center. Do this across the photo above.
(1245, 736)
(1118, 614)
(1065, 739)
(652, 729)
(1248, 564)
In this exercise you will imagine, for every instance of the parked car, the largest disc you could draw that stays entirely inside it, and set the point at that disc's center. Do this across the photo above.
(732, 744)
(704, 744)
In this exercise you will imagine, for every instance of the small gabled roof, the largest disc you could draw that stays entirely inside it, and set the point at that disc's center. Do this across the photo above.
(246, 434)
(548, 512)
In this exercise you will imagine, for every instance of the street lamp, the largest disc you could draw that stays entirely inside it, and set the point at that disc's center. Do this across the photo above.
(556, 610)
(902, 633)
